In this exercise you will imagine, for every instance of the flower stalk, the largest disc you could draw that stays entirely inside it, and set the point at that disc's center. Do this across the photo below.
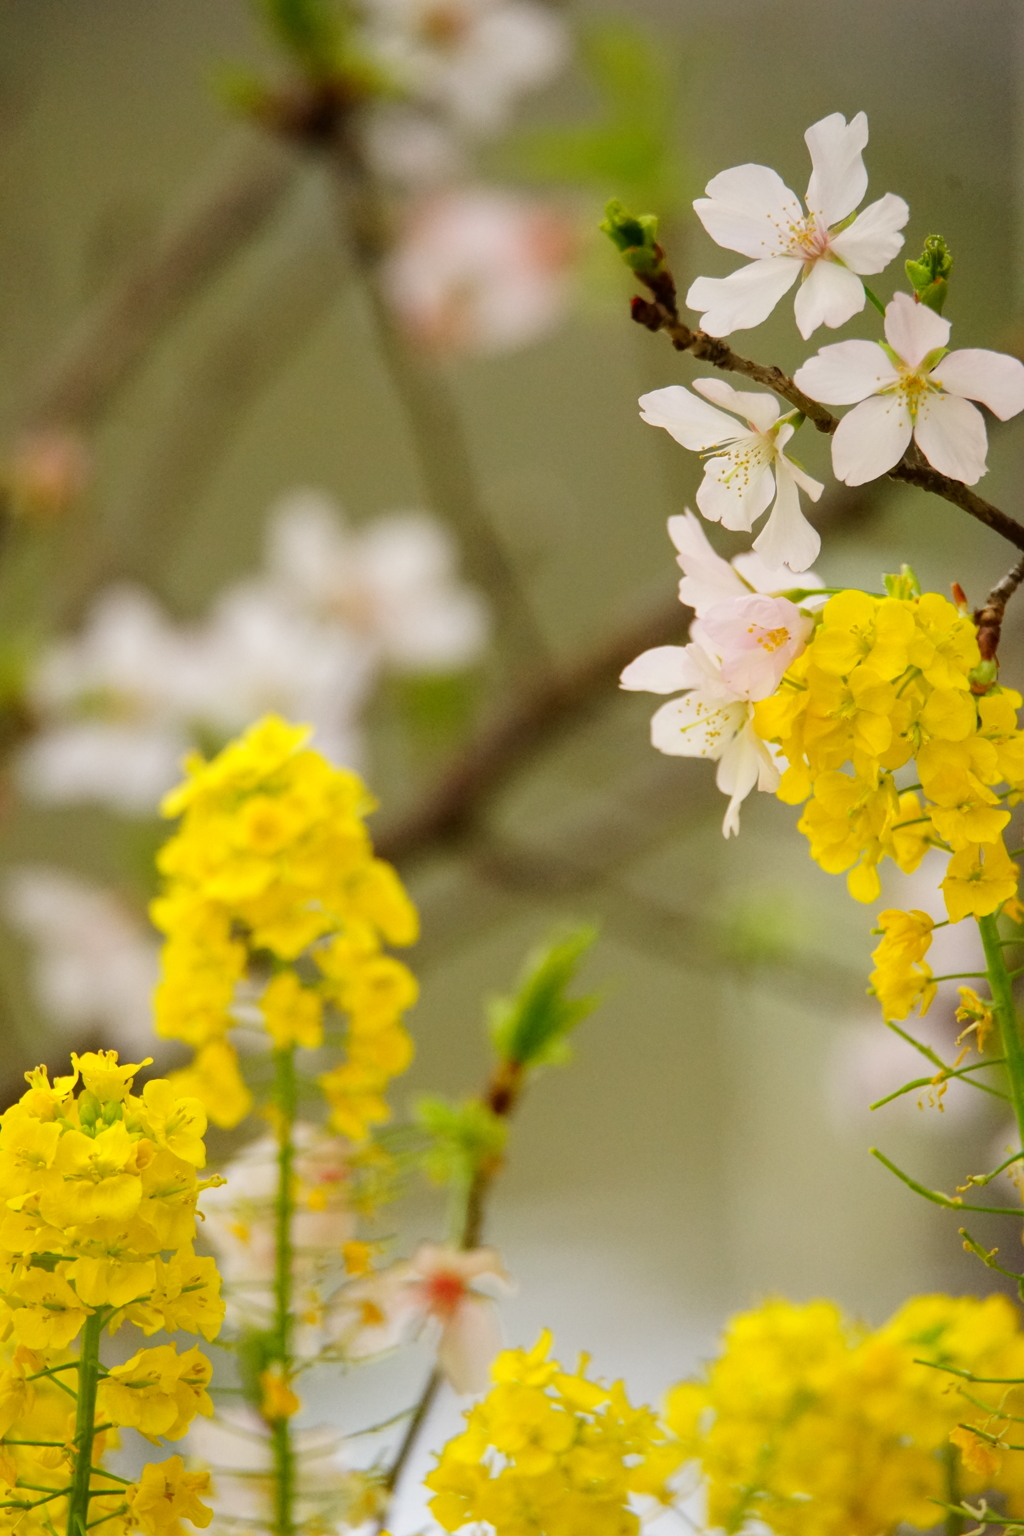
(1000, 981)
(85, 1424)
(285, 1094)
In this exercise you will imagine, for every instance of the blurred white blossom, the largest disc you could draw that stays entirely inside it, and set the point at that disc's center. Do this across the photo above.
(393, 583)
(481, 271)
(94, 962)
(469, 59)
(119, 705)
(240, 1227)
(237, 1448)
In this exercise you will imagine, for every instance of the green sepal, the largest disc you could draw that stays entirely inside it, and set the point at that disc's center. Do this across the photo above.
(463, 1138)
(929, 275)
(530, 1029)
(904, 585)
(89, 1110)
(984, 676)
(635, 237)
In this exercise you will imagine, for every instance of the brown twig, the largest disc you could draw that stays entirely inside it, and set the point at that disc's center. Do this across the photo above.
(237, 197)
(989, 618)
(661, 314)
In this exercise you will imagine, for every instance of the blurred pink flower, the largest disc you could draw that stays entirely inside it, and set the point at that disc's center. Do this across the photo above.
(481, 271)
(435, 1285)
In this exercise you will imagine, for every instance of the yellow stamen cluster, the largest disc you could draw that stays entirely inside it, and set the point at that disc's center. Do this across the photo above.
(98, 1190)
(883, 682)
(814, 1426)
(273, 897)
(549, 1452)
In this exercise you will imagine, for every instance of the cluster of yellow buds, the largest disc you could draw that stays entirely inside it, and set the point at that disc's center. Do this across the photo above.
(273, 900)
(553, 1452)
(883, 681)
(902, 978)
(811, 1425)
(98, 1188)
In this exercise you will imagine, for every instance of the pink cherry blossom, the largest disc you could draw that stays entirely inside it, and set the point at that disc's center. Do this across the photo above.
(756, 639)
(435, 1286)
(481, 271)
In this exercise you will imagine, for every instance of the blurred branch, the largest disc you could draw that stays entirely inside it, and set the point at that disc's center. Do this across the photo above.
(254, 334)
(234, 199)
(661, 313)
(433, 417)
(545, 707)
(548, 705)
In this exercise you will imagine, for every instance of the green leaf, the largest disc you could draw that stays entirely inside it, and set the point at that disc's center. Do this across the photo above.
(530, 1028)
(463, 1138)
(627, 148)
(312, 30)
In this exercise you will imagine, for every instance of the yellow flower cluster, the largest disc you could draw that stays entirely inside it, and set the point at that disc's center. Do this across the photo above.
(98, 1190)
(271, 868)
(816, 1427)
(902, 979)
(883, 681)
(549, 1452)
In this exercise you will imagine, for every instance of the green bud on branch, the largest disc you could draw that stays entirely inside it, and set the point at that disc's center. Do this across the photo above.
(635, 236)
(929, 275)
(530, 1028)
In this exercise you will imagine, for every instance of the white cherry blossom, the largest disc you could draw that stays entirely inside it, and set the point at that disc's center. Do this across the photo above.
(470, 59)
(751, 210)
(749, 470)
(708, 579)
(912, 387)
(710, 720)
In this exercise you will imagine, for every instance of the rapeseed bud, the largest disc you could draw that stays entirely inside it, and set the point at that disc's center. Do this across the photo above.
(816, 1426)
(98, 1190)
(548, 1451)
(272, 868)
(901, 979)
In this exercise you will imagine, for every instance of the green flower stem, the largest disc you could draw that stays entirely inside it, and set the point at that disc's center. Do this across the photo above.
(1001, 984)
(284, 1456)
(85, 1423)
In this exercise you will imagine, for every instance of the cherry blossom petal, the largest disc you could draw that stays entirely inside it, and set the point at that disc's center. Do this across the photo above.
(664, 669)
(734, 495)
(708, 578)
(846, 372)
(871, 439)
(697, 725)
(469, 1342)
(744, 298)
(757, 638)
(874, 238)
(759, 410)
(771, 578)
(839, 179)
(913, 330)
(829, 295)
(991, 377)
(787, 538)
(738, 772)
(687, 418)
(749, 209)
(950, 432)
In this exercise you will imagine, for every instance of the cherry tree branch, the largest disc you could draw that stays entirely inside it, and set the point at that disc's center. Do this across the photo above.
(237, 196)
(661, 313)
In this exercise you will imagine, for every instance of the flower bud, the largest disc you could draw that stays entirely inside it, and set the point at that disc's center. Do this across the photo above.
(635, 236)
(929, 275)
